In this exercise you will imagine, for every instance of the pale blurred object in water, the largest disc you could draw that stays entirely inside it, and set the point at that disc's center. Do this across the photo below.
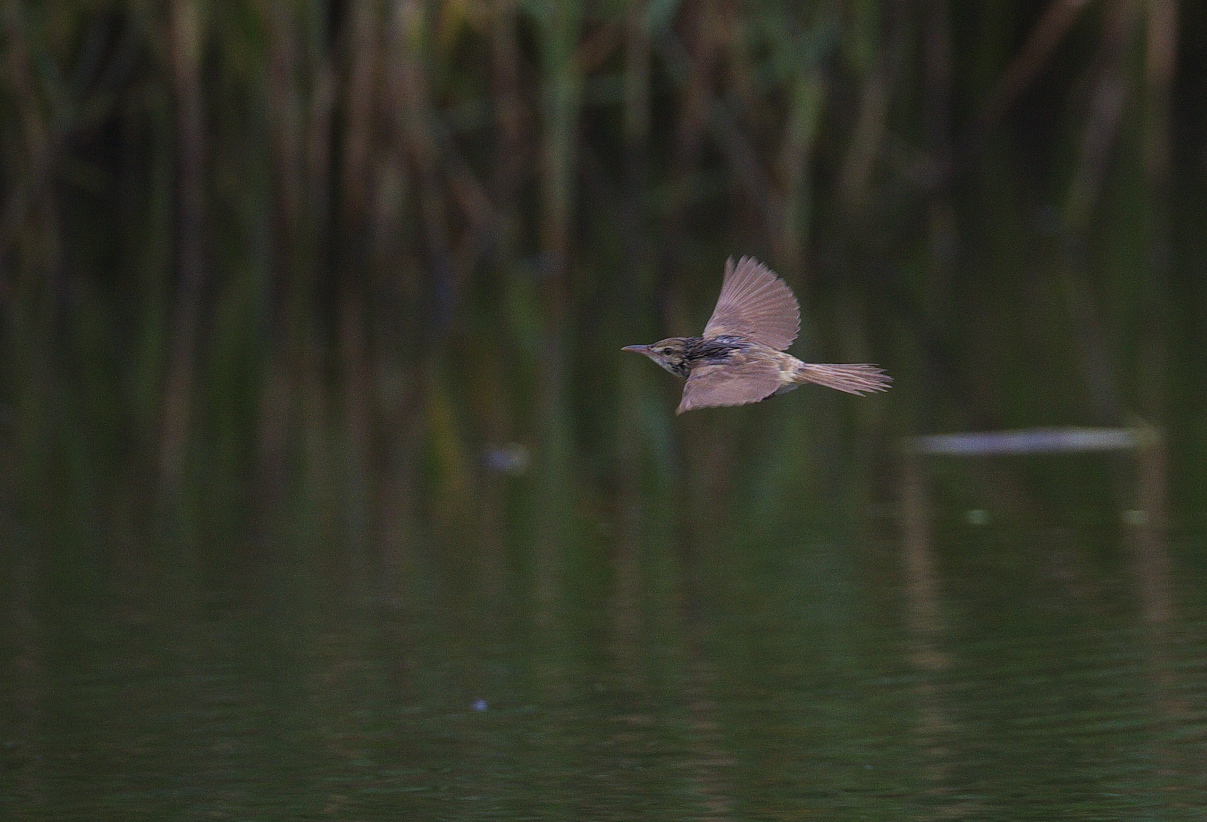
(1134, 516)
(1032, 441)
(511, 458)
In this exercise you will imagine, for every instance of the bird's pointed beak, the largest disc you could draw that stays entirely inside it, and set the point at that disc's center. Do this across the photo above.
(637, 349)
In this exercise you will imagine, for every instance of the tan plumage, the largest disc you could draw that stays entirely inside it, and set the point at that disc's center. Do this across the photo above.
(746, 377)
(740, 357)
(755, 304)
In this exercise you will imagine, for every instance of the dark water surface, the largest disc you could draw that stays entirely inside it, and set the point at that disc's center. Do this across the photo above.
(327, 493)
(614, 666)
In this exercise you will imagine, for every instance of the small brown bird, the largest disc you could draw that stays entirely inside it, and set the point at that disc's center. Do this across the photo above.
(740, 358)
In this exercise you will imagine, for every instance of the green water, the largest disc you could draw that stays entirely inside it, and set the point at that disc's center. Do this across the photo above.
(633, 659)
(327, 493)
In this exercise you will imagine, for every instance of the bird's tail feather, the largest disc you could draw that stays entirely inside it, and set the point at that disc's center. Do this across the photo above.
(853, 378)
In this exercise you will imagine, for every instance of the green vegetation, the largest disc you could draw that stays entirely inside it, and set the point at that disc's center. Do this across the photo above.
(336, 250)
(326, 491)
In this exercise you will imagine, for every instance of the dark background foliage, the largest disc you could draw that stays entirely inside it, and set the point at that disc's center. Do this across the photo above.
(253, 247)
(326, 491)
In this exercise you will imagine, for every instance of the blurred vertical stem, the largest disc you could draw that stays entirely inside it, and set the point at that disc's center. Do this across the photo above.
(1105, 110)
(509, 153)
(806, 104)
(558, 26)
(561, 91)
(691, 67)
(1160, 63)
(878, 52)
(25, 172)
(290, 277)
(936, 112)
(414, 133)
(362, 48)
(634, 291)
(186, 37)
(1107, 96)
(886, 48)
(1024, 69)
(415, 130)
(636, 124)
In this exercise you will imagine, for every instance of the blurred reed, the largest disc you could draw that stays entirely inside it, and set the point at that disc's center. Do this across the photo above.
(345, 247)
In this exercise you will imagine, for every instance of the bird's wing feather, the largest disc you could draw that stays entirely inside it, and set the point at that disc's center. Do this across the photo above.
(729, 384)
(755, 304)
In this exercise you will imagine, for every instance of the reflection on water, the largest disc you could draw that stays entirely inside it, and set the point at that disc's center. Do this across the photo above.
(676, 645)
(1092, 685)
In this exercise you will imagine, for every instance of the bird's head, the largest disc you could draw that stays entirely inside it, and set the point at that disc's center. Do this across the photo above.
(670, 353)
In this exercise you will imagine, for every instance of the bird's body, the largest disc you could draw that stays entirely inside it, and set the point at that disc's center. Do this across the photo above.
(740, 358)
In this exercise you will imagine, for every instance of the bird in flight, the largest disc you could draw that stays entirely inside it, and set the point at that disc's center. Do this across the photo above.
(740, 358)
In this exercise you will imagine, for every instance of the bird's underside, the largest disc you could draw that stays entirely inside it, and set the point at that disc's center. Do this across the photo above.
(741, 358)
(754, 372)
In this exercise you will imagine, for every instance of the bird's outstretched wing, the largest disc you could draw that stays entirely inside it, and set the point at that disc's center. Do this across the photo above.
(755, 304)
(729, 384)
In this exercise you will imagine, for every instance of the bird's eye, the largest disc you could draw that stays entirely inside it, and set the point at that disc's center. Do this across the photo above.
(668, 351)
